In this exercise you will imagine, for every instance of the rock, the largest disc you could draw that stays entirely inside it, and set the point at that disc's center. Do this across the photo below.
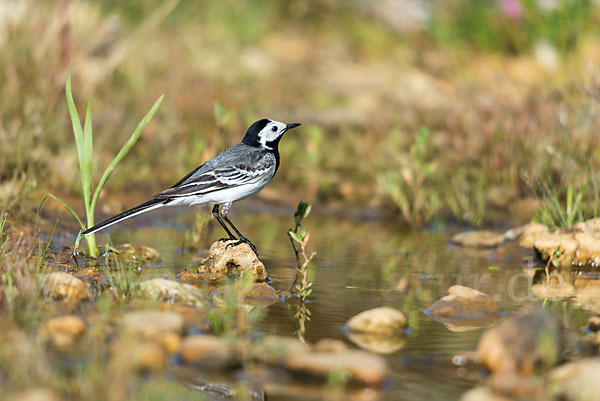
(580, 245)
(233, 261)
(64, 287)
(526, 233)
(330, 345)
(576, 381)
(464, 309)
(153, 324)
(171, 290)
(522, 343)
(63, 331)
(38, 394)
(139, 251)
(329, 357)
(594, 323)
(262, 295)
(478, 239)
(147, 355)
(384, 321)
(274, 350)
(380, 344)
(580, 291)
(482, 393)
(207, 351)
(199, 278)
(362, 366)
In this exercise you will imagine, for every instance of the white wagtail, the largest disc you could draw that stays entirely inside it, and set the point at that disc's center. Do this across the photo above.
(236, 173)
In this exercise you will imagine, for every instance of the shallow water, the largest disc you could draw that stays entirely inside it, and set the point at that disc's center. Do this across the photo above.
(362, 265)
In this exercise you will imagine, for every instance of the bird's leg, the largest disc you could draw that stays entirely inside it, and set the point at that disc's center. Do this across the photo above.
(241, 239)
(217, 214)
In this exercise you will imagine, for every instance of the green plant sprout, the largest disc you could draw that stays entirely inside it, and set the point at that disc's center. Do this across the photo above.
(300, 236)
(85, 153)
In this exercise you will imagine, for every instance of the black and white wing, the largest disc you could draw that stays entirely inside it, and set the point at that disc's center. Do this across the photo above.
(224, 172)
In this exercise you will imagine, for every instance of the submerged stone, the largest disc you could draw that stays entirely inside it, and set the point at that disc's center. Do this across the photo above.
(152, 324)
(207, 351)
(478, 239)
(63, 331)
(384, 321)
(64, 287)
(233, 261)
(171, 290)
(579, 290)
(576, 381)
(464, 308)
(522, 343)
(380, 344)
(139, 251)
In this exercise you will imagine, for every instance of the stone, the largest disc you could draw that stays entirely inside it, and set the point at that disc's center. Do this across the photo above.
(262, 295)
(478, 239)
(207, 351)
(148, 355)
(482, 393)
(200, 278)
(152, 324)
(171, 290)
(576, 381)
(526, 233)
(63, 331)
(594, 323)
(522, 343)
(380, 344)
(64, 287)
(464, 308)
(384, 321)
(233, 261)
(362, 366)
(274, 350)
(139, 251)
(579, 245)
(579, 290)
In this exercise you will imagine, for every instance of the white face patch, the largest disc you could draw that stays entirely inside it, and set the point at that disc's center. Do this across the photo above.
(272, 131)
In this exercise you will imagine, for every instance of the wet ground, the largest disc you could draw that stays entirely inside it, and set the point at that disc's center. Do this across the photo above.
(362, 265)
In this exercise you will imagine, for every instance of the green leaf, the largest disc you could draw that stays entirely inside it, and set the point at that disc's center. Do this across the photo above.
(494, 268)
(63, 204)
(556, 263)
(124, 150)
(75, 122)
(294, 236)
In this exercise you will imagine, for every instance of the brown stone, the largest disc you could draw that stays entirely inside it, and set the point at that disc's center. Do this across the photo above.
(576, 381)
(139, 251)
(63, 331)
(383, 321)
(152, 324)
(171, 290)
(594, 323)
(478, 239)
(464, 308)
(522, 343)
(233, 261)
(64, 287)
(207, 351)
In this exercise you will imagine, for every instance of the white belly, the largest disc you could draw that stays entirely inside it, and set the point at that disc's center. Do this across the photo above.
(219, 197)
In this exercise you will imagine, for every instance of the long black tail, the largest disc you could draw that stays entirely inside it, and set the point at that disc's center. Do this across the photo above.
(139, 209)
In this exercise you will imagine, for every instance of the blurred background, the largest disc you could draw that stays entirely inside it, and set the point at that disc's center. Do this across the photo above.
(433, 111)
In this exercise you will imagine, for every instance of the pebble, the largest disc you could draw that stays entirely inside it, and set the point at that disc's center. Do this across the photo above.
(233, 261)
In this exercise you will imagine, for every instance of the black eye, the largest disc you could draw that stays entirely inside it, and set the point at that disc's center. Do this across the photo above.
(274, 129)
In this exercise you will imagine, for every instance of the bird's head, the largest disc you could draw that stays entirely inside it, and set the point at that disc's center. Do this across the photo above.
(266, 133)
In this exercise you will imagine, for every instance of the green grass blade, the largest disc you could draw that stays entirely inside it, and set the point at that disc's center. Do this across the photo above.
(63, 204)
(88, 165)
(75, 122)
(124, 150)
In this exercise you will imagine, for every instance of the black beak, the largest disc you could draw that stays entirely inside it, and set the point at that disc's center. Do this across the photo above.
(290, 126)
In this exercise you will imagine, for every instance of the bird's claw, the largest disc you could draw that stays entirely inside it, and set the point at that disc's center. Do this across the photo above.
(244, 241)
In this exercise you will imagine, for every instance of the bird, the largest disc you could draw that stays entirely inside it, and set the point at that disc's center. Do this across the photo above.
(236, 173)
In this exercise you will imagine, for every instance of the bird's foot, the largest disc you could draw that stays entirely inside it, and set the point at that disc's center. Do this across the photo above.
(244, 240)
(226, 239)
